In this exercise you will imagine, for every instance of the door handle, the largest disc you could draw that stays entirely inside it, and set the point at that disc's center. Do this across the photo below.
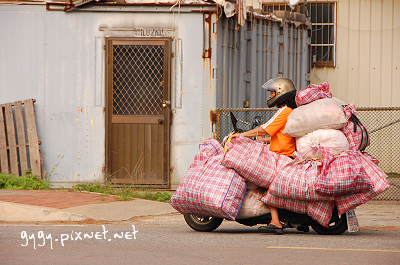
(166, 103)
(160, 121)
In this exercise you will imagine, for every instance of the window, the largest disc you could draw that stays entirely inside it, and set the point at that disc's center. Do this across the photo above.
(323, 33)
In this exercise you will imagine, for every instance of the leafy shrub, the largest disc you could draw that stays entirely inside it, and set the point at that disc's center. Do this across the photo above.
(24, 182)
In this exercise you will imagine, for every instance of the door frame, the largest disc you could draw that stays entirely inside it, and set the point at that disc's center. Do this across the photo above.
(167, 98)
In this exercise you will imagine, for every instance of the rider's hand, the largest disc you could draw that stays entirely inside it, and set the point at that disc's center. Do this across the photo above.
(235, 135)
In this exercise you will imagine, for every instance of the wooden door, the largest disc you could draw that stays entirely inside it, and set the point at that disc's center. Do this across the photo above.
(138, 111)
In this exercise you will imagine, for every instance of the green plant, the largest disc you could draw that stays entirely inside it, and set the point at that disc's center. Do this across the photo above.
(49, 174)
(24, 182)
(124, 193)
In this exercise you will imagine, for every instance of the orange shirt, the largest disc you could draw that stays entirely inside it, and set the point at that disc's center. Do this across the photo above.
(280, 143)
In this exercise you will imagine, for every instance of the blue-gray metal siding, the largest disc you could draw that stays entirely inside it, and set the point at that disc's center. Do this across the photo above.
(250, 55)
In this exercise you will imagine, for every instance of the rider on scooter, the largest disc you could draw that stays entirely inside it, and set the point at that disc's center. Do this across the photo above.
(282, 94)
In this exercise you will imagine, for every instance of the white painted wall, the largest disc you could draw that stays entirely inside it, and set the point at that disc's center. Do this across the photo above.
(57, 58)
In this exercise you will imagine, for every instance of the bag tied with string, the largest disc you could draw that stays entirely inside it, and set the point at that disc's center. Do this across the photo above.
(355, 132)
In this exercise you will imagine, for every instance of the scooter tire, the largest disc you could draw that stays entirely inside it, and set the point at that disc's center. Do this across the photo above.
(202, 223)
(336, 226)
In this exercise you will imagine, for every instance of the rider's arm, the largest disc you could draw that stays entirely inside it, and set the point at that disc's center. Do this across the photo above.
(255, 132)
(264, 139)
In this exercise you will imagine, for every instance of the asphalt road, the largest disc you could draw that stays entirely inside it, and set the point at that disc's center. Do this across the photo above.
(168, 240)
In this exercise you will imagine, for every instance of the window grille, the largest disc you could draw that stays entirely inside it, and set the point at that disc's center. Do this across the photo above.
(323, 34)
(138, 79)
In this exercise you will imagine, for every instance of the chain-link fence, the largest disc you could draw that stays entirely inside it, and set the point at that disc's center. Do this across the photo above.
(383, 125)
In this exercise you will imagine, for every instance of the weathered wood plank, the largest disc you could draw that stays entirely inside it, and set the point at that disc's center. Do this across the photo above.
(12, 144)
(140, 172)
(147, 151)
(114, 152)
(127, 150)
(19, 118)
(136, 119)
(3, 144)
(34, 153)
(134, 150)
(120, 151)
(137, 181)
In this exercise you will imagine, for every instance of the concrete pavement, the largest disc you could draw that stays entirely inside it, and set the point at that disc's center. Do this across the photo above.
(57, 205)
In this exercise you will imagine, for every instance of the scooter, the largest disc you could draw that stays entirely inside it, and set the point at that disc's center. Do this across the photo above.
(302, 222)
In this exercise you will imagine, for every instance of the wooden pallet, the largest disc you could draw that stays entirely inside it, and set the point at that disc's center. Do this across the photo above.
(19, 144)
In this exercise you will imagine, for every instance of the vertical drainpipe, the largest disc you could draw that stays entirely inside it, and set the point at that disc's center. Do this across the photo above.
(260, 60)
(287, 39)
(263, 57)
(298, 65)
(268, 59)
(229, 63)
(223, 66)
(281, 51)
(291, 65)
(233, 66)
(305, 58)
(241, 52)
(247, 75)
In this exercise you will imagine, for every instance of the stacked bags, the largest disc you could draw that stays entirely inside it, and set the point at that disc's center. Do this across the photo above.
(329, 167)
(208, 188)
(255, 163)
(329, 141)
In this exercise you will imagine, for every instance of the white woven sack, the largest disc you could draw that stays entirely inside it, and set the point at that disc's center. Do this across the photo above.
(252, 206)
(326, 113)
(310, 144)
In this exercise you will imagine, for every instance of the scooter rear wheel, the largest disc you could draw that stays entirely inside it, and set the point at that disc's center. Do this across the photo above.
(202, 223)
(336, 226)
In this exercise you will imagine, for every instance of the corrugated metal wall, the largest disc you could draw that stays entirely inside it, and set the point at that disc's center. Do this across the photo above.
(367, 68)
(260, 50)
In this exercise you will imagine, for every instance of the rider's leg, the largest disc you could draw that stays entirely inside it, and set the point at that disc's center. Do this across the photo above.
(275, 217)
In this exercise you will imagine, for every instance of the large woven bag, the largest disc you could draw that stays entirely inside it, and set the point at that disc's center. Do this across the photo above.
(296, 180)
(312, 93)
(342, 174)
(320, 211)
(210, 189)
(251, 160)
(379, 184)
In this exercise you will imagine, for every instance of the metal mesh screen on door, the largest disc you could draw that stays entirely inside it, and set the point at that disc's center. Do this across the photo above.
(138, 79)
(383, 125)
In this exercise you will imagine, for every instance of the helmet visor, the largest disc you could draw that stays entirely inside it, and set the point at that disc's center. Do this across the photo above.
(270, 87)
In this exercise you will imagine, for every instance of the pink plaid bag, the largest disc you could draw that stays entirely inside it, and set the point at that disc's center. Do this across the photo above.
(379, 184)
(355, 132)
(312, 93)
(296, 180)
(320, 211)
(210, 189)
(371, 158)
(342, 174)
(252, 161)
(207, 149)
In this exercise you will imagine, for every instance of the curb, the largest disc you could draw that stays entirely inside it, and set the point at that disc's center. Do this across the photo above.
(15, 212)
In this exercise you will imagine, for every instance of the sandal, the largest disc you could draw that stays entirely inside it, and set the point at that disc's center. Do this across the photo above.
(270, 228)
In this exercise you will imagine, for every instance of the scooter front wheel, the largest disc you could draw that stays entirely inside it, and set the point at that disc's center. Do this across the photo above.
(202, 223)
